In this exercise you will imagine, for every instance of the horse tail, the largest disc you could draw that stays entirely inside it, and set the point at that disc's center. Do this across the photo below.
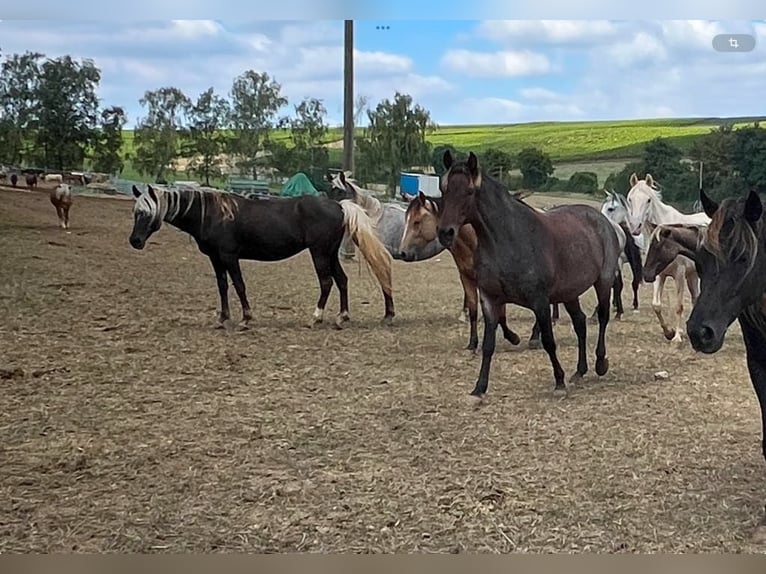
(360, 229)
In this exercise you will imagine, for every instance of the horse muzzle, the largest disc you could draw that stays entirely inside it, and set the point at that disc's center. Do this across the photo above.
(137, 243)
(704, 337)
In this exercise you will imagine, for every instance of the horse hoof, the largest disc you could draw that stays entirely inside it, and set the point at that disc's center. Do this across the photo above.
(618, 317)
(602, 366)
(534, 344)
(574, 380)
(388, 321)
(636, 311)
(472, 348)
(759, 535)
(513, 339)
(676, 341)
(243, 327)
(669, 335)
(560, 392)
(219, 326)
(477, 400)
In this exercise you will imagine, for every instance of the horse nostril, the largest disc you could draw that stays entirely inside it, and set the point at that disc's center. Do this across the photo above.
(706, 333)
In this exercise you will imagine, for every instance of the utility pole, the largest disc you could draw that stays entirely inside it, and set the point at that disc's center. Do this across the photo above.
(348, 97)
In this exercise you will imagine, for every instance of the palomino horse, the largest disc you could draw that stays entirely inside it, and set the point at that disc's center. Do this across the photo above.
(615, 208)
(530, 259)
(61, 198)
(645, 206)
(228, 228)
(732, 269)
(423, 217)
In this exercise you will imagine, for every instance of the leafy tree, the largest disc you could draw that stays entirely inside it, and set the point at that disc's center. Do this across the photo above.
(207, 138)
(255, 99)
(106, 154)
(497, 163)
(394, 140)
(536, 166)
(157, 138)
(716, 151)
(67, 110)
(308, 131)
(620, 182)
(583, 182)
(749, 156)
(19, 79)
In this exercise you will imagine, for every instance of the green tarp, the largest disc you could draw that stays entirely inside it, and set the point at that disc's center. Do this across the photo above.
(298, 184)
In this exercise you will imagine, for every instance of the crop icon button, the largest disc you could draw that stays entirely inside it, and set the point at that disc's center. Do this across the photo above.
(733, 43)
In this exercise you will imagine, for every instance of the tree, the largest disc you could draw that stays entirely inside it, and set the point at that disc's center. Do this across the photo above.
(19, 79)
(255, 100)
(535, 166)
(207, 139)
(106, 154)
(583, 182)
(158, 136)
(497, 163)
(67, 110)
(749, 156)
(394, 140)
(308, 131)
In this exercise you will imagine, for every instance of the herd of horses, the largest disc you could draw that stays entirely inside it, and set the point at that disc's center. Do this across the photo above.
(506, 252)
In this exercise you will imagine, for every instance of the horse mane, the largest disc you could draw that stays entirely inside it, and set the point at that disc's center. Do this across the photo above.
(495, 188)
(729, 236)
(211, 201)
(364, 199)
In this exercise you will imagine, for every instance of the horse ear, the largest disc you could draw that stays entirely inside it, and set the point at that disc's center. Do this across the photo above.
(342, 177)
(152, 193)
(473, 164)
(708, 205)
(753, 207)
(649, 180)
(422, 197)
(136, 192)
(447, 159)
(633, 179)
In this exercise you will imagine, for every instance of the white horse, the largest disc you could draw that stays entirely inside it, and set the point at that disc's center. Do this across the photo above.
(615, 208)
(646, 211)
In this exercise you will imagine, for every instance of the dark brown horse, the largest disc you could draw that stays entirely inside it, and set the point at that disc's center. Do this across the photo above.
(530, 259)
(228, 227)
(31, 179)
(61, 198)
(731, 263)
(667, 242)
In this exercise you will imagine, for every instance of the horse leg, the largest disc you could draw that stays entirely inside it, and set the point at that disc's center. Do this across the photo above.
(60, 215)
(693, 284)
(555, 314)
(755, 351)
(323, 268)
(534, 338)
(543, 316)
(463, 318)
(618, 285)
(602, 294)
(636, 284)
(239, 286)
(679, 310)
(658, 286)
(580, 325)
(341, 281)
(223, 291)
(471, 297)
(491, 312)
(66, 217)
(508, 334)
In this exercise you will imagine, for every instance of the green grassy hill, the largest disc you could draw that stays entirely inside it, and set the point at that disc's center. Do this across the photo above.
(572, 145)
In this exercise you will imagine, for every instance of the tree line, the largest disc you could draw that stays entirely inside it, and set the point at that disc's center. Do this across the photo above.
(50, 116)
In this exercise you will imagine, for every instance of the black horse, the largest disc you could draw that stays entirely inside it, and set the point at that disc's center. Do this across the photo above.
(530, 259)
(228, 227)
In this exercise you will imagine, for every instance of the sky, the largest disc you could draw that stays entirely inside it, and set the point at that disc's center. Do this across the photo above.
(463, 72)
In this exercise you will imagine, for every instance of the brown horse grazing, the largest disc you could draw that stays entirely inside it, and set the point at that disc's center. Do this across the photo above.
(228, 227)
(732, 269)
(667, 242)
(531, 259)
(31, 180)
(421, 220)
(61, 198)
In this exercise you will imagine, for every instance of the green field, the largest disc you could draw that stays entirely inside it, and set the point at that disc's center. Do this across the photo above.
(601, 146)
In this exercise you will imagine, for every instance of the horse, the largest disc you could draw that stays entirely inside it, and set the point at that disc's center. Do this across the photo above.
(14, 179)
(645, 206)
(422, 219)
(668, 242)
(732, 270)
(530, 259)
(228, 227)
(31, 180)
(615, 209)
(61, 198)
(388, 219)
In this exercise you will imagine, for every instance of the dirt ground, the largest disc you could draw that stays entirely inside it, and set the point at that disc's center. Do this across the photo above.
(128, 424)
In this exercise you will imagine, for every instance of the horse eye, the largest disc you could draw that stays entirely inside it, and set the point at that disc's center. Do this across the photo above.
(417, 224)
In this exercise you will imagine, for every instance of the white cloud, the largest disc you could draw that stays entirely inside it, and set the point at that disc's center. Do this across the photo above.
(496, 64)
(195, 28)
(534, 32)
(539, 94)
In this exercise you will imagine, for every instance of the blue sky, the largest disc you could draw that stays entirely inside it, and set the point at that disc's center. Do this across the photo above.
(464, 72)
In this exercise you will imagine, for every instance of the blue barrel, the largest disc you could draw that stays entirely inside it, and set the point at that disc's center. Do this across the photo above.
(409, 184)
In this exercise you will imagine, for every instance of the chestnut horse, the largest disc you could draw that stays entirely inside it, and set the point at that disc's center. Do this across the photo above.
(530, 259)
(61, 198)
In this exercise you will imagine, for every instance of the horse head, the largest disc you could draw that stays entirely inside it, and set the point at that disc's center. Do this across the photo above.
(458, 184)
(147, 216)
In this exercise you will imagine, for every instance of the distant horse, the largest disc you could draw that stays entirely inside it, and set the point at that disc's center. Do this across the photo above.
(31, 179)
(645, 206)
(423, 217)
(732, 269)
(14, 179)
(61, 198)
(615, 208)
(228, 228)
(668, 242)
(530, 259)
